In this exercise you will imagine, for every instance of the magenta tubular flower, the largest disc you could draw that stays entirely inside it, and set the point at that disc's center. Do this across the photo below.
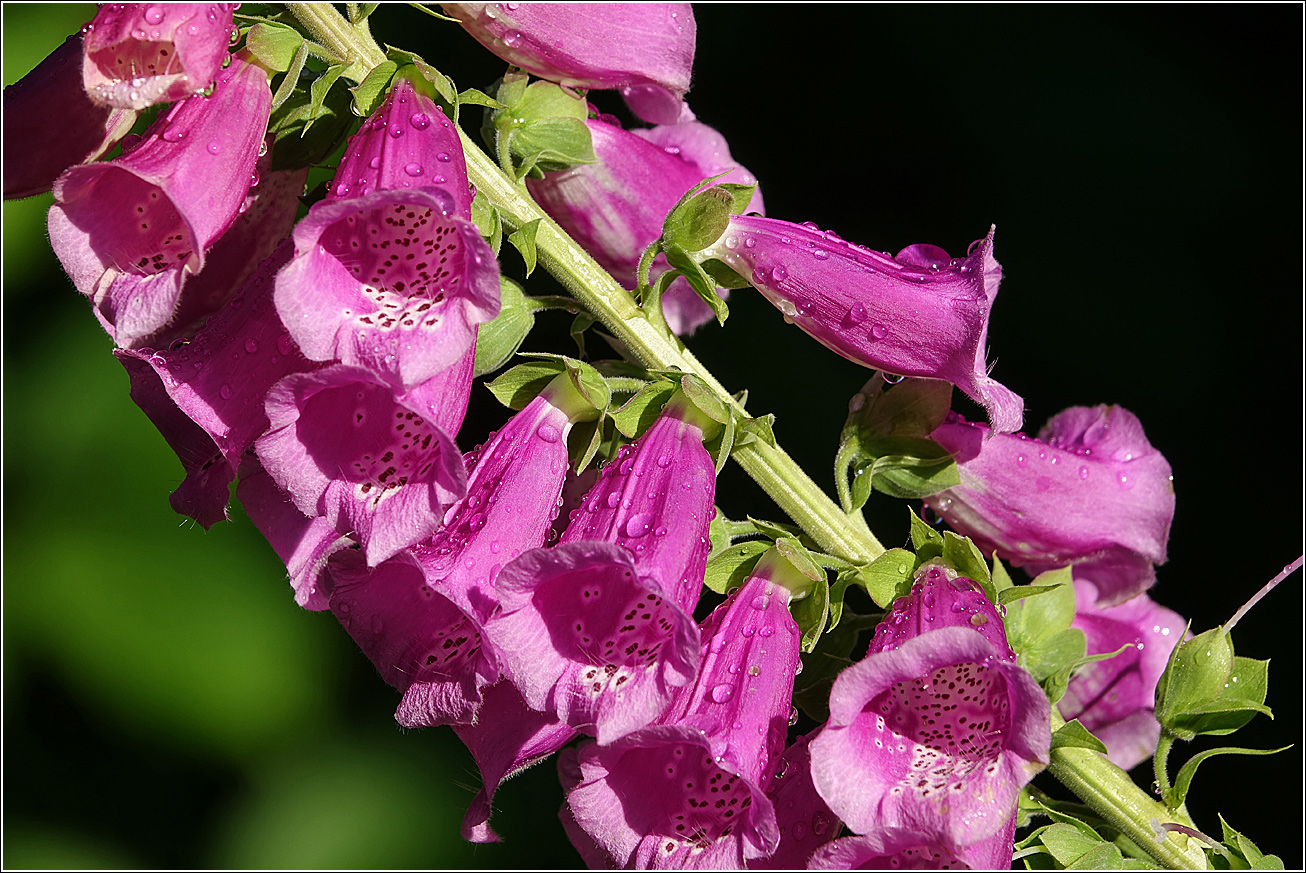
(129, 232)
(644, 49)
(1115, 698)
(616, 207)
(934, 731)
(902, 849)
(378, 466)
(804, 819)
(919, 314)
(419, 615)
(598, 629)
(1090, 491)
(51, 125)
(139, 54)
(688, 791)
(389, 272)
(206, 396)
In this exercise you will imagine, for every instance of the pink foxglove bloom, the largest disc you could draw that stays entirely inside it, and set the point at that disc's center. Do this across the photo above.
(389, 272)
(129, 232)
(918, 314)
(378, 466)
(1091, 490)
(419, 615)
(598, 629)
(937, 729)
(904, 849)
(688, 791)
(616, 207)
(644, 49)
(139, 54)
(50, 124)
(1115, 698)
(804, 819)
(206, 396)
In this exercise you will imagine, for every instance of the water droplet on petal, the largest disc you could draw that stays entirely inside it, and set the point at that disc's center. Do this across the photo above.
(856, 314)
(1021, 460)
(251, 346)
(443, 157)
(723, 693)
(614, 500)
(225, 392)
(419, 120)
(213, 148)
(375, 163)
(548, 433)
(173, 134)
(639, 525)
(413, 169)
(879, 331)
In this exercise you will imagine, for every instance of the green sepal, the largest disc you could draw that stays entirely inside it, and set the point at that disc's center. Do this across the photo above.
(323, 111)
(584, 443)
(498, 340)
(1072, 734)
(927, 541)
(740, 195)
(485, 215)
(698, 278)
(1174, 797)
(1238, 702)
(696, 223)
(705, 399)
(812, 613)
(426, 80)
(729, 569)
(369, 92)
(473, 97)
(903, 467)
(641, 410)
(524, 382)
(1242, 850)
(1020, 592)
(1205, 689)
(361, 11)
(291, 79)
(579, 325)
(889, 576)
(794, 552)
(760, 428)
(523, 239)
(773, 529)
(962, 555)
(274, 45)
(723, 274)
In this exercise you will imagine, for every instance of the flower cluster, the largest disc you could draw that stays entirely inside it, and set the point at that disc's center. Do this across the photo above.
(321, 352)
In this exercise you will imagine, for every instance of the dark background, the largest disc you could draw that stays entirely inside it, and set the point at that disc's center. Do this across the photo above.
(165, 702)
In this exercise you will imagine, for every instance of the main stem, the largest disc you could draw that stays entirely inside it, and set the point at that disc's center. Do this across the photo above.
(1103, 786)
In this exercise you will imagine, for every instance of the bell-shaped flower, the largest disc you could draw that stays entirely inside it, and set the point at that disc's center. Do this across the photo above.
(1115, 698)
(389, 273)
(419, 615)
(139, 54)
(376, 465)
(644, 49)
(598, 629)
(890, 848)
(1091, 490)
(130, 231)
(937, 729)
(206, 396)
(804, 820)
(50, 124)
(918, 314)
(614, 208)
(689, 790)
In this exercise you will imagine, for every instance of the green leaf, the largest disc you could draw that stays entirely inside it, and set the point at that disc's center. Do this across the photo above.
(698, 278)
(472, 97)
(793, 551)
(368, 93)
(741, 196)
(640, 411)
(321, 87)
(906, 467)
(1174, 798)
(523, 383)
(363, 11)
(1031, 620)
(1054, 654)
(888, 576)
(584, 442)
(1199, 673)
(498, 340)
(723, 274)
(912, 408)
(698, 222)
(966, 559)
(925, 538)
(1103, 856)
(1074, 735)
(1068, 843)
(812, 612)
(1020, 592)
(523, 238)
(773, 529)
(291, 79)
(730, 569)
(275, 45)
(550, 145)
(486, 217)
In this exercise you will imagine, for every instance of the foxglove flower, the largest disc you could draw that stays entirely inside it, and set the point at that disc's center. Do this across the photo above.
(937, 729)
(419, 615)
(50, 124)
(139, 54)
(615, 208)
(804, 820)
(1091, 490)
(389, 272)
(644, 49)
(129, 232)
(903, 849)
(1115, 698)
(918, 314)
(378, 466)
(687, 791)
(598, 628)
(206, 396)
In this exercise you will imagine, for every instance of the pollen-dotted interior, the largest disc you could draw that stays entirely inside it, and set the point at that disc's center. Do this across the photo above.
(956, 720)
(150, 238)
(358, 433)
(679, 791)
(917, 858)
(407, 259)
(449, 650)
(134, 58)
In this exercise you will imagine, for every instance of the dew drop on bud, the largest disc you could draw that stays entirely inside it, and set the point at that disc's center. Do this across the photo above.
(413, 169)
(723, 693)
(548, 433)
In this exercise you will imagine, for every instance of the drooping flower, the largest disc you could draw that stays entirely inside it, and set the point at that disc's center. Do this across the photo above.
(1091, 490)
(1115, 698)
(376, 465)
(389, 273)
(688, 790)
(616, 207)
(206, 396)
(804, 820)
(139, 54)
(891, 848)
(129, 232)
(419, 616)
(644, 49)
(937, 729)
(598, 628)
(50, 124)
(921, 313)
